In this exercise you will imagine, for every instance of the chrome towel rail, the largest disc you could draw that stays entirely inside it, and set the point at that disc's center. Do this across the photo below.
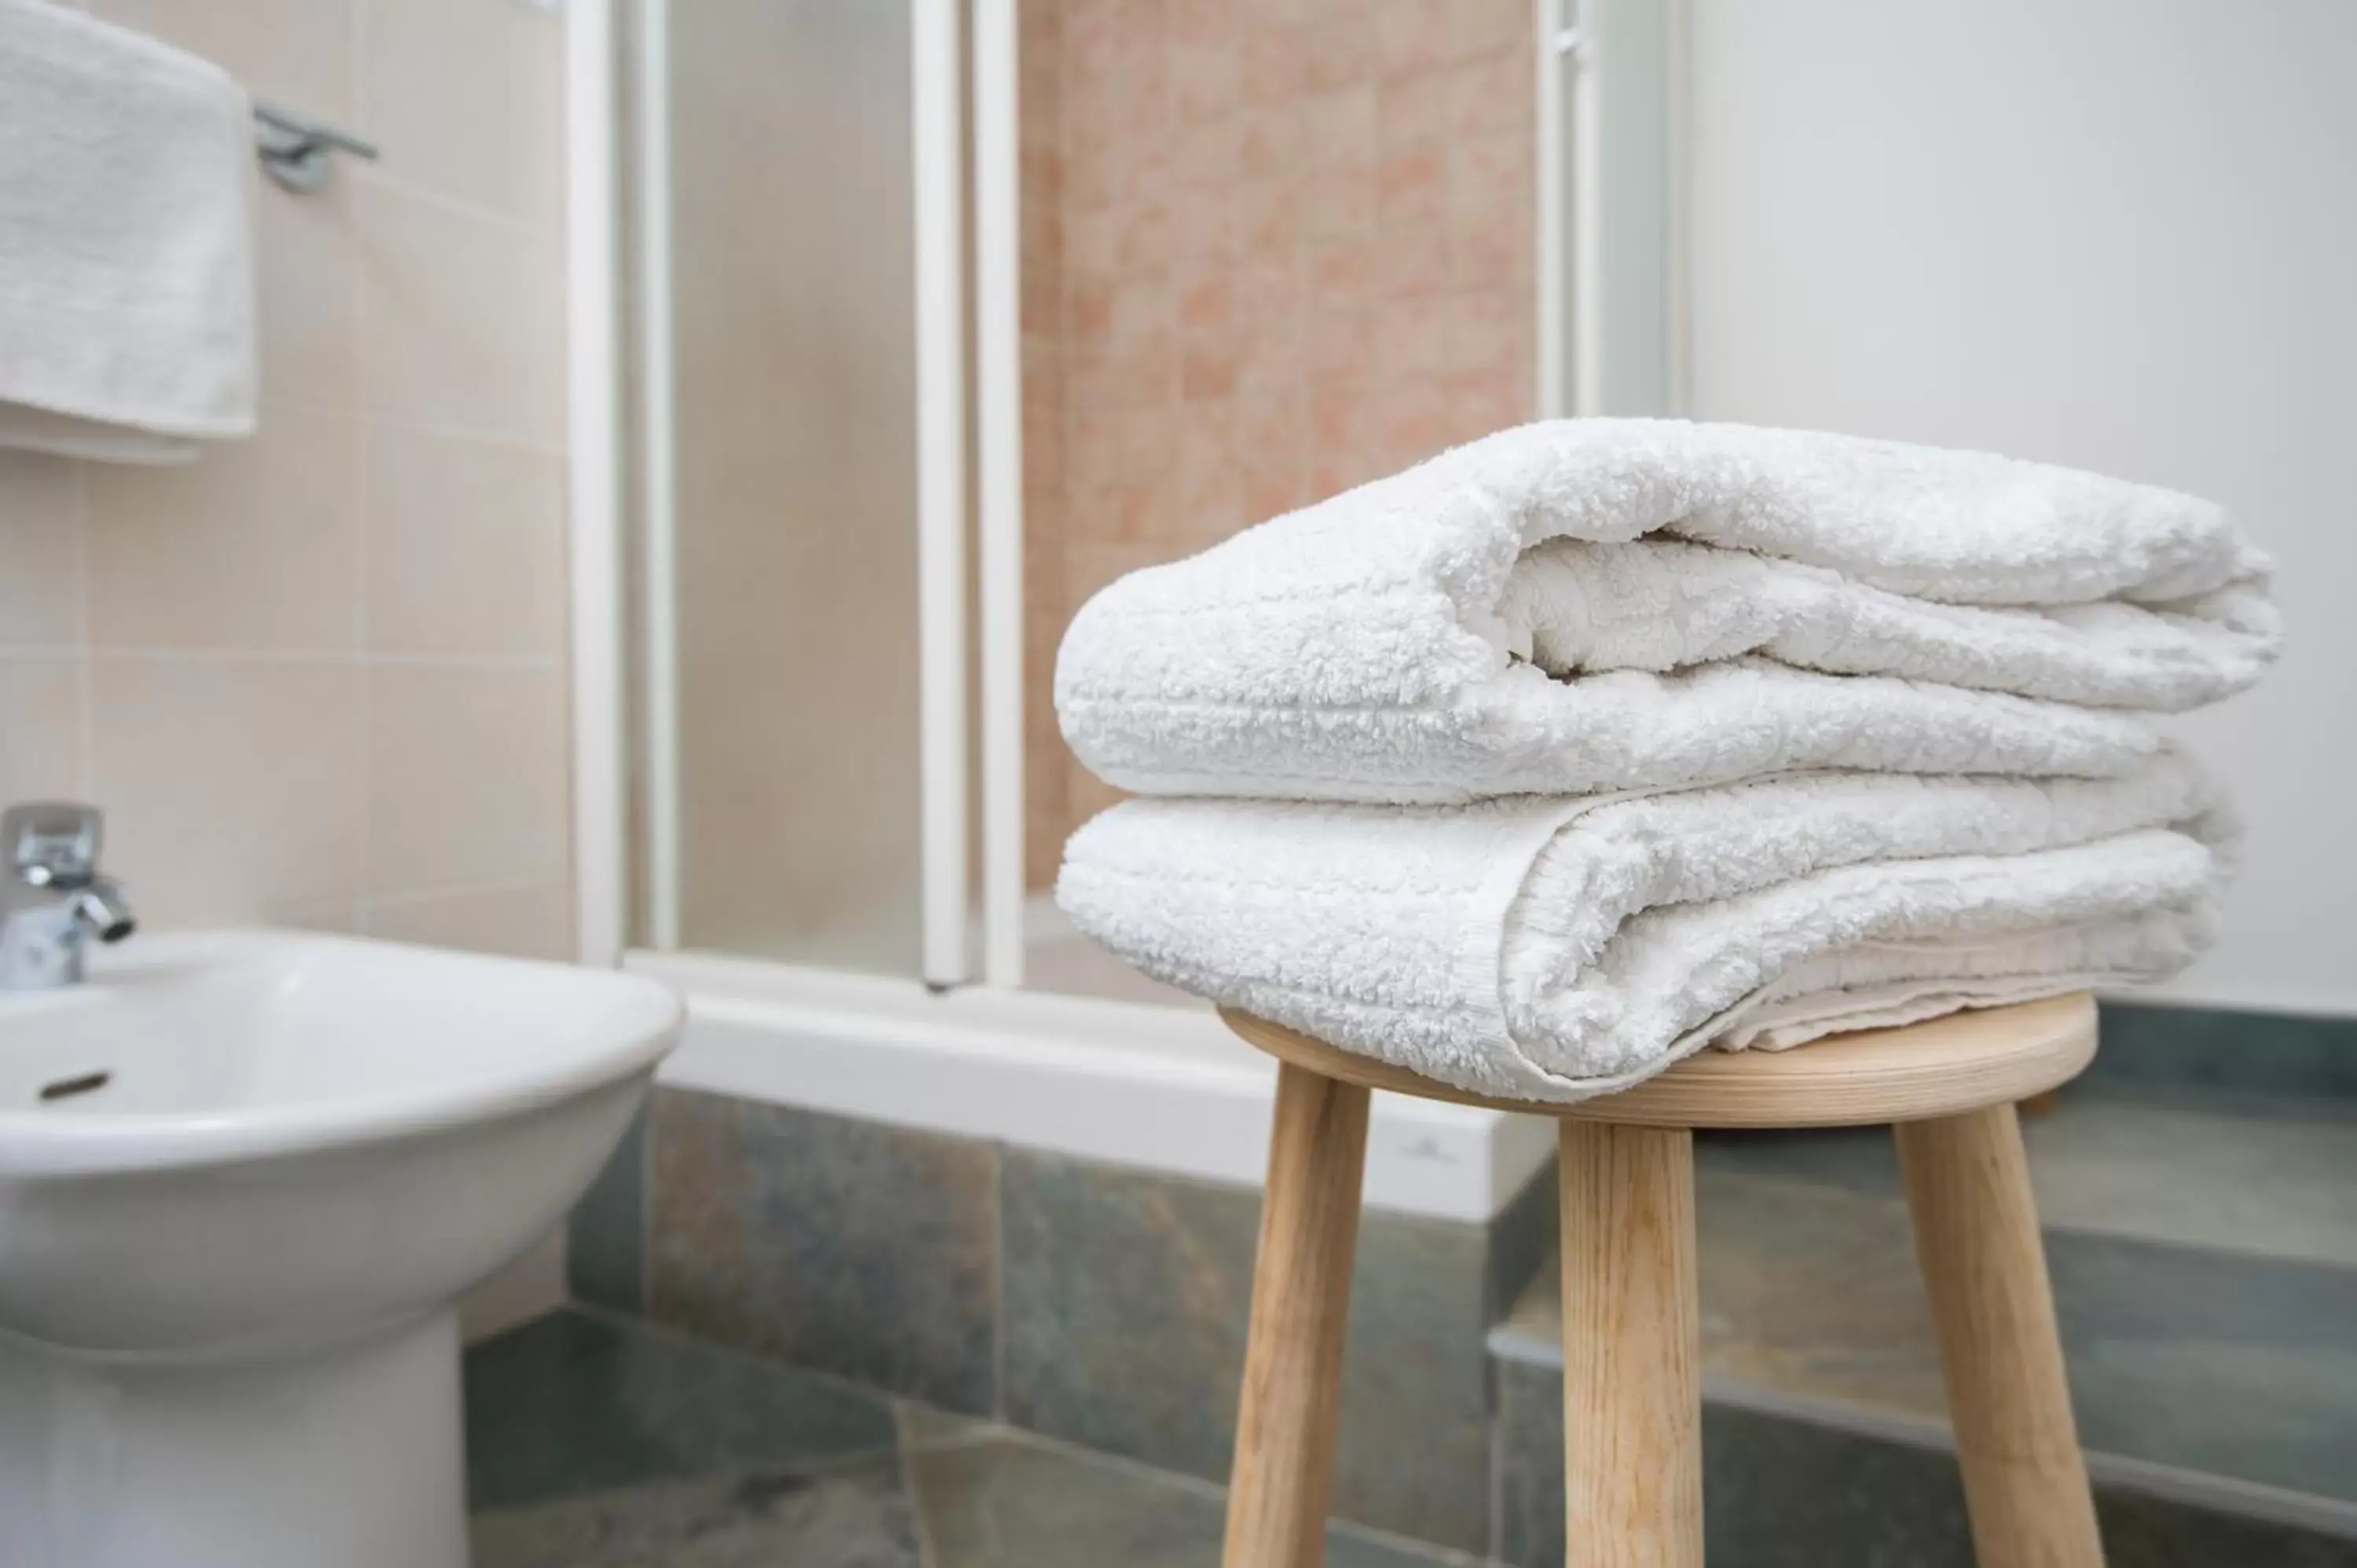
(295, 148)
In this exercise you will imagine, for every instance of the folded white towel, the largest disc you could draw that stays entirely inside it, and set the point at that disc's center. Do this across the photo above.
(126, 267)
(1552, 949)
(1733, 601)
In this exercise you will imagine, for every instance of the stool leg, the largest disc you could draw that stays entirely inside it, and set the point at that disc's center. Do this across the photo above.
(1632, 1376)
(1977, 1235)
(1284, 1471)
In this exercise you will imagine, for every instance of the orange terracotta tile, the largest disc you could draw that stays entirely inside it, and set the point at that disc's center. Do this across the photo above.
(1203, 21)
(1273, 65)
(1203, 154)
(1146, 369)
(1143, 241)
(1269, 221)
(1493, 96)
(1205, 82)
(1489, 260)
(1207, 303)
(1411, 257)
(1406, 423)
(1416, 109)
(1413, 33)
(1413, 185)
(1492, 398)
(1201, 235)
(1336, 128)
(1338, 204)
(1089, 314)
(1269, 355)
(1339, 416)
(1208, 368)
(1337, 343)
(1346, 267)
(1490, 177)
(1203, 432)
(1091, 243)
(1410, 33)
(1106, 41)
(1486, 331)
(1411, 337)
(1088, 180)
(1142, 307)
(1267, 288)
(1268, 141)
(1337, 51)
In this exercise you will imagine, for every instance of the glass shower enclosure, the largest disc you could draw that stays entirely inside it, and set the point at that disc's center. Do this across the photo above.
(846, 242)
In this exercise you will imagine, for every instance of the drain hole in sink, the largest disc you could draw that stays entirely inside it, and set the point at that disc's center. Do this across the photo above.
(67, 1087)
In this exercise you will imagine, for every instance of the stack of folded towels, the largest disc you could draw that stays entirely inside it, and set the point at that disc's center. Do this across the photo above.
(1578, 748)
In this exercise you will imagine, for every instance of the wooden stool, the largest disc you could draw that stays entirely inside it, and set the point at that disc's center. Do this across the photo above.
(1631, 1377)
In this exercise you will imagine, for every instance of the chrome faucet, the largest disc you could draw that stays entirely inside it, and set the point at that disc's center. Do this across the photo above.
(52, 899)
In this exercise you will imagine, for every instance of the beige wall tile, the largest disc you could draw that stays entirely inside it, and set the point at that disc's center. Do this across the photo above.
(231, 786)
(466, 99)
(462, 323)
(466, 777)
(234, 753)
(251, 547)
(306, 290)
(297, 53)
(519, 922)
(465, 546)
(40, 550)
(40, 727)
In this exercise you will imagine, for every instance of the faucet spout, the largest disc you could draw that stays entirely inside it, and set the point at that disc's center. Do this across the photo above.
(53, 902)
(101, 911)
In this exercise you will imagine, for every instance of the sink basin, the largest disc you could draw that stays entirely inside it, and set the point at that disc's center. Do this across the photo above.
(244, 1177)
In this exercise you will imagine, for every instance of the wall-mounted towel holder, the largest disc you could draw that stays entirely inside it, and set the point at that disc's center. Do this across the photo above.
(295, 148)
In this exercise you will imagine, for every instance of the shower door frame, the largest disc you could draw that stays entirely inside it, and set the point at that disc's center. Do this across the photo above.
(601, 430)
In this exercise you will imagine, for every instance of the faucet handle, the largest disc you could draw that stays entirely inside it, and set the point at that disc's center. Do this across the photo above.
(52, 843)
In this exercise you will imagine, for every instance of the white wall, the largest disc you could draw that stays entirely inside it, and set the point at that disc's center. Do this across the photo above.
(2115, 233)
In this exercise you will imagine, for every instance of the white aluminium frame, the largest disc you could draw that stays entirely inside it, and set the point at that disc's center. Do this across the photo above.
(998, 389)
(937, 128)
(594, 442)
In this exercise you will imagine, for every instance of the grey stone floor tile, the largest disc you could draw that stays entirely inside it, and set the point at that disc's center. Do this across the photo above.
(2227, 1364)
(857, 1517)
(575, 1403)
(2274, 1186)
(1785, 1493)
(1012, 1502)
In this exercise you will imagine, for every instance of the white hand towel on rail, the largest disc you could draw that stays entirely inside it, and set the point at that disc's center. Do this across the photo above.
(126, 264)
(1556, 948)
(1593, 604)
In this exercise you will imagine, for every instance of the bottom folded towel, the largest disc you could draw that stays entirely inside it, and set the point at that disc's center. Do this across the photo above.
(1545, 948)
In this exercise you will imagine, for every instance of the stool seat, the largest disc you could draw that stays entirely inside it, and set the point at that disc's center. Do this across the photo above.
(1632, 1333)
(1964, 1061)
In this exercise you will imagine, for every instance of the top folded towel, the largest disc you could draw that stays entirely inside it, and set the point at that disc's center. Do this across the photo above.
(1584, 605)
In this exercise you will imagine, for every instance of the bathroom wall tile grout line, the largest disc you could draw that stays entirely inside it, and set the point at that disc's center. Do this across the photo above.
(409, 425)
(408, 897)
(325, 654)
(378, 179)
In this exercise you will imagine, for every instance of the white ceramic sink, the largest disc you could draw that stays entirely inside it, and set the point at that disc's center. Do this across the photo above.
(244, 1177)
